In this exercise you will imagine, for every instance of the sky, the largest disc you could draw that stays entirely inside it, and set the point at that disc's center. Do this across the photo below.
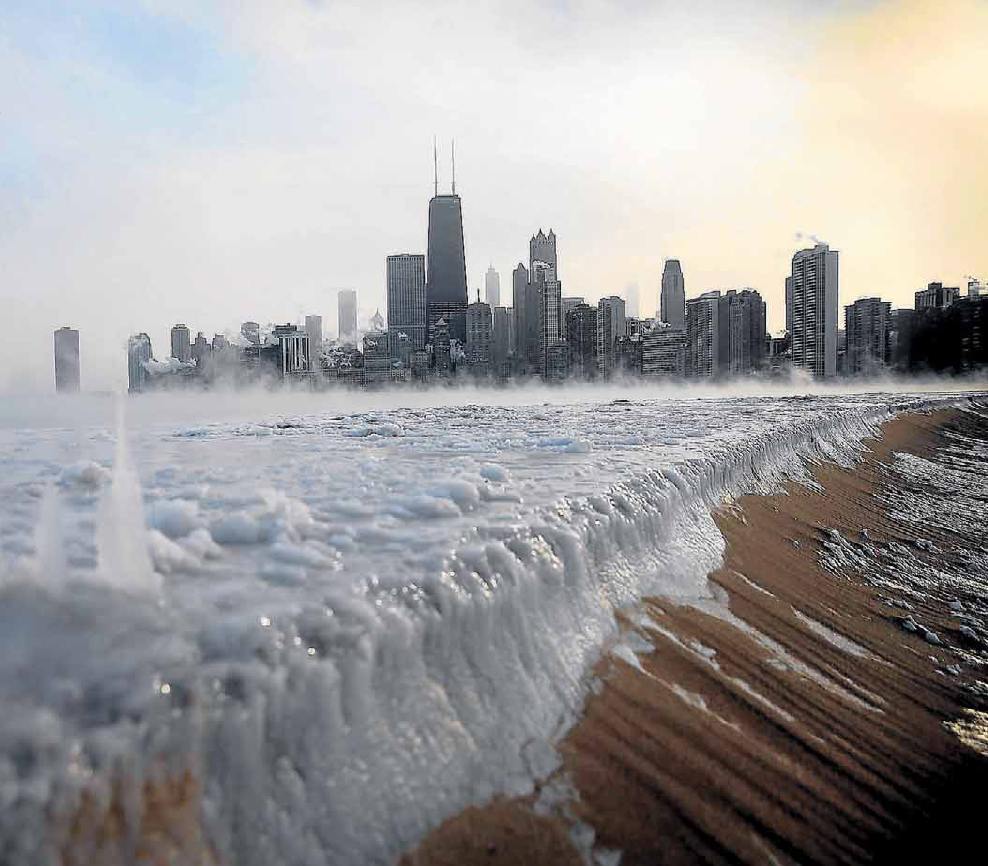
(214, 162)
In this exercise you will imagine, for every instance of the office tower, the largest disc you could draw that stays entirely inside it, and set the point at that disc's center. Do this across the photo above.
(446, 275)
(220, 342)
(672, 296)
(181, 344)
(868, 329)
(378, 359)
(581, 337)
(346, 303)
(492, 287)
(313, 328)
(138, 356)
(664, 352)
(501, 347)
(479, 327)
(814, 311)
(251, 332)
(442, 350)
(407, 299)
(936, 296)
(707, 335)
(201, 349)
(746, 331)
(567, 304)
(293, 350)
(789, 305)
(526, 316)
(548, 294)
(66, 345)
(610, 326)
(542, 248)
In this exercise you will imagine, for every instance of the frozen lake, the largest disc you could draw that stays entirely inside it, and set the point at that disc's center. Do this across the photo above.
(348, 621)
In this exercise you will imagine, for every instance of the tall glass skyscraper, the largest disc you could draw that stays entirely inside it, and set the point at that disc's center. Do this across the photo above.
(406, 300)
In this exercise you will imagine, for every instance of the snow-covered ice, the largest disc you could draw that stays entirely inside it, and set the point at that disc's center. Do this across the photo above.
(348, 624)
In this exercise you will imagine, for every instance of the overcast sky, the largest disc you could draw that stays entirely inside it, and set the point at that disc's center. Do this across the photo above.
(216, 162)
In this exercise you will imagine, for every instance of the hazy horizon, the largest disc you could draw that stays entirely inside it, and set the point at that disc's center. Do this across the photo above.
(178, 162)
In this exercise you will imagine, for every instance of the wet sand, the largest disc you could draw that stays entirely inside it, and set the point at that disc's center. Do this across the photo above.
(714, 751)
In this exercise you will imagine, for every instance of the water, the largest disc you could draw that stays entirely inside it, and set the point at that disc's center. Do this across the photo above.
(348, 624)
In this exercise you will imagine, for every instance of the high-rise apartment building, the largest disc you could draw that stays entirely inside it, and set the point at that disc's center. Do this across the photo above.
(66, 347)
(936, 296)
(138, 356)
(407, 300)
(746, 331)
(814, 311)
(347, 315)
(492, 287)
(610, 326)
(181, 343)
(664, 352)
(868, 329)
(581, 335)
(707, 335)
(672, 295)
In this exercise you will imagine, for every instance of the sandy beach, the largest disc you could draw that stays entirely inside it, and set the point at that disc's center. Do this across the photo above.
(810, 725)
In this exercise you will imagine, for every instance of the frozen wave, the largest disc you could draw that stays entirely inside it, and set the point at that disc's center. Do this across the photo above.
(359, 634)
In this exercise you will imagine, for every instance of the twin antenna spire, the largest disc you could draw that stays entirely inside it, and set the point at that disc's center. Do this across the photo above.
(435, 165)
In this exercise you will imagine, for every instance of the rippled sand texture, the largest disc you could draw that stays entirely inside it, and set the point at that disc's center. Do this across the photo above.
(822, 719)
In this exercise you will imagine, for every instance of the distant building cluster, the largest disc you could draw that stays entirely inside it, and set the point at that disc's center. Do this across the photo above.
(433, 332)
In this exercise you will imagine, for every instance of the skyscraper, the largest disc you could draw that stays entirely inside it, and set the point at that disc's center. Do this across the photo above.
(581, 335)
(492, 287)
(664, 352)
(672, 296)
(868, 329)
(66, 342)
(138, 355)
(814, 311)
(201, 349)
(936, 296)
(313, 327)
(501, 348)
(610, 326)
(542, 248)
(446, 276)
(479, 329)
(181, 343)
(347, 313)
(526, 311)
(704, 330)
(789, 305)
(746, 331)
(407, 299)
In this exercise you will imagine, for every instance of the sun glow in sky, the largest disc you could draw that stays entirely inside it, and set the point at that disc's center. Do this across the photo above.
(215, 162)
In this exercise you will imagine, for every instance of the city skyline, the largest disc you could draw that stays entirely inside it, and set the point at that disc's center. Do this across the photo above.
(205, 184)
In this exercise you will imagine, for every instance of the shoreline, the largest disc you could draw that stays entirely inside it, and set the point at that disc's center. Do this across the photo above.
(807, 725)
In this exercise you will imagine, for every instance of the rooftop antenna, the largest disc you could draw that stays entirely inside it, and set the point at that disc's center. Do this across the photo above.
(435, 168)
(452, 148)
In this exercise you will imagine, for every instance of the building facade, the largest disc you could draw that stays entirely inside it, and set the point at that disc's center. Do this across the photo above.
(346, 313)
(746, 332)
(705, 336)
(868, 331)
(66, 350)
(138, 357)
(610, 326)
(492, 287)
(672, 295)
(501, 346)
(480, 333)
(407, 310)
(814, 311)
(181, 343)
(936, 296)
(581, 336)
(664, 352)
